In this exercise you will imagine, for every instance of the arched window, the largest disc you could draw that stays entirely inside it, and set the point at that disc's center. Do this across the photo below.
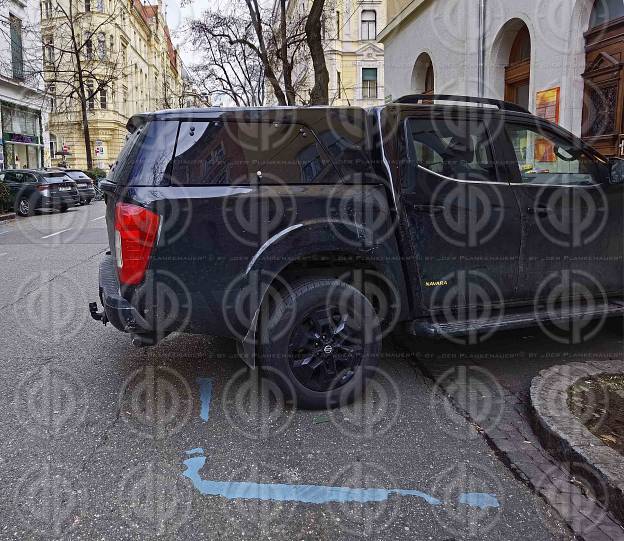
(423, 78)
(605, 11)
(429, 79)
(369, 24)
(518, 71)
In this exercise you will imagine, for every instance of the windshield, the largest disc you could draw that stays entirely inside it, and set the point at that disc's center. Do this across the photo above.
(78, 175)
(55, 176)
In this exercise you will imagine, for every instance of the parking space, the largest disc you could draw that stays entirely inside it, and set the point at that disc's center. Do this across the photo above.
(104, 440)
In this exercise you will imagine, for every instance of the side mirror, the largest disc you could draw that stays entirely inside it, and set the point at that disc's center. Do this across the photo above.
(616, 169)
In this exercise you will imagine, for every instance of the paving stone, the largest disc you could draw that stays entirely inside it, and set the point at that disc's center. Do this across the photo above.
(535, 464)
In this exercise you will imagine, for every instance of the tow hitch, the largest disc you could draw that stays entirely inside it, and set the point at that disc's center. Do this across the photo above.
(98, 316)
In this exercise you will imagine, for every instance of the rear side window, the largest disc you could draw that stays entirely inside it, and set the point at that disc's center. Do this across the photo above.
(343, 133)
(241, 152)
(146, 158)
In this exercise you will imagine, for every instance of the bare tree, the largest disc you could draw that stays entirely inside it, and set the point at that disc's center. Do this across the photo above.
(229, 65)
(242, 49)
(319, 95)
(78, 65)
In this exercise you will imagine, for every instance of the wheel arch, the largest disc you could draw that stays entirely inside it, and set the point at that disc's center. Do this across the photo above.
(326, 249)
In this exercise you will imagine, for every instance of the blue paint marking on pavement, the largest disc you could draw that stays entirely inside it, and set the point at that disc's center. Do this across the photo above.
(479, 499)
(205, 395)
(282, 492)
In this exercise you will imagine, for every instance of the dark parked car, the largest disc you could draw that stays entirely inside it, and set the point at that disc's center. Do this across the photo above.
(84, 183)
(308, 234)
(40, 189)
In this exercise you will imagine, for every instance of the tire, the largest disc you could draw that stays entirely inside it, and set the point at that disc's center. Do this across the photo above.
(88, 202)
(63, 208)
(23, 206)
(322, 339)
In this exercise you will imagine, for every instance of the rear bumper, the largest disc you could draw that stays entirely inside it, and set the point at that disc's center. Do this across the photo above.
(57, 201)
(117, 309)
(86, 193)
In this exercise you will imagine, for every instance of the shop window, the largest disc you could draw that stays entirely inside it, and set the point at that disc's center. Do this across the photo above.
(369, 24)
(369, 83)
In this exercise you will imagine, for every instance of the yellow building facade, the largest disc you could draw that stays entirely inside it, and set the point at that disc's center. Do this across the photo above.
(354, 57)
(130, 47)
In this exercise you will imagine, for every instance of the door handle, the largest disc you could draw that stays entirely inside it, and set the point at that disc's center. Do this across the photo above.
(539, 211)
(427, 209)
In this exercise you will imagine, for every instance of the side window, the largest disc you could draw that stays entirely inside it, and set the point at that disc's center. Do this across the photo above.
(235, 152)
(456, 149)
(145, 159)
(546, 158)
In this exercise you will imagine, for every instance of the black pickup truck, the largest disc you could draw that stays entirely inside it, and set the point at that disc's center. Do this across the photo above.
(309, 234)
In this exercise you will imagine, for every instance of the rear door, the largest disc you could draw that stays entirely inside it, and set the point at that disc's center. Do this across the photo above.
(463, 216)
(13, 181)
(572, 216)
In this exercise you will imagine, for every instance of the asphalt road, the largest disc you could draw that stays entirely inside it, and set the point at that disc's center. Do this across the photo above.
(101, 440)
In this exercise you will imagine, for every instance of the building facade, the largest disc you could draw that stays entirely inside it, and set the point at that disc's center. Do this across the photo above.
(23, 104)
(128, 49)
(354, 57)
(562, 59)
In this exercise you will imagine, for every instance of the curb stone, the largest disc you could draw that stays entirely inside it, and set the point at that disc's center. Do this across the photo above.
(7, 217)
(517, 445)
(568, 439)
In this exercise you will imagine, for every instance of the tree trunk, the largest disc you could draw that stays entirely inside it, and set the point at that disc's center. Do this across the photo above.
(286, 67)
(85, 131)
(319, 95)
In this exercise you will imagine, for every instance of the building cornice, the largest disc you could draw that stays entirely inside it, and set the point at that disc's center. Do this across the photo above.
(405, 15)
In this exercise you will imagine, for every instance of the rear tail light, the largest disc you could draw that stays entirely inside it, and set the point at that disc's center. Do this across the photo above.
(136, 229)
(43, 187)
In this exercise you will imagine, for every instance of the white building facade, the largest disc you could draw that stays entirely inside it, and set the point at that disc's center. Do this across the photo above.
(24, 140)
(562, 58)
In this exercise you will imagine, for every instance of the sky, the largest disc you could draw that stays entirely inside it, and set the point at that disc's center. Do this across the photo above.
(175, 19)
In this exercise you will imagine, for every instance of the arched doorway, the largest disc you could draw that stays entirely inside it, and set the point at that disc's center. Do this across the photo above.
(603, 101)
(518, 70)
(423, 76)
